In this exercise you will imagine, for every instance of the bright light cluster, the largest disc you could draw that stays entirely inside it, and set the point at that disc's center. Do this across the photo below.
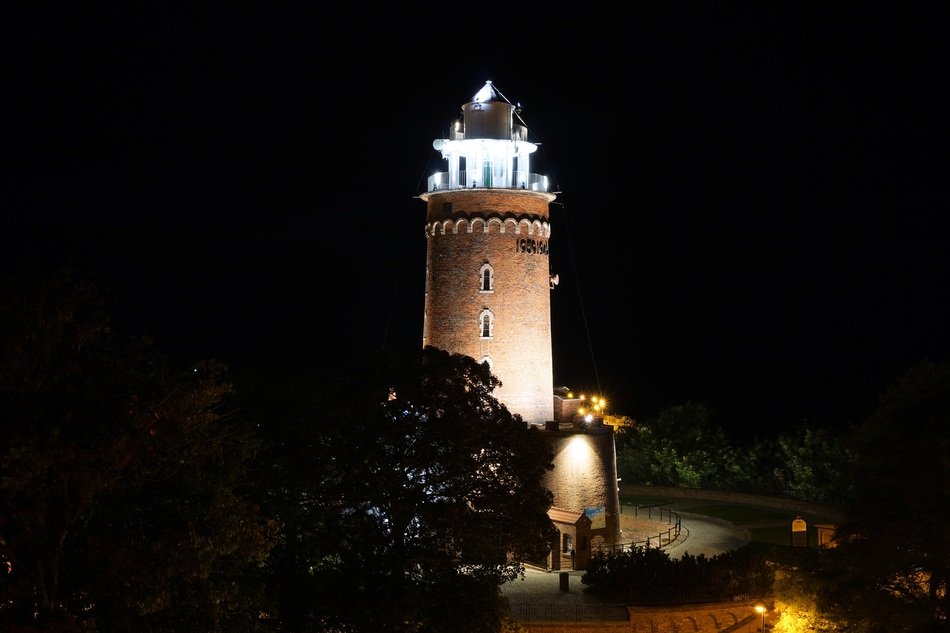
(597, 406)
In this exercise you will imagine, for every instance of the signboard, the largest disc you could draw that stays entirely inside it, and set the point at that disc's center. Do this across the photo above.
(593, 512)
(597, 517)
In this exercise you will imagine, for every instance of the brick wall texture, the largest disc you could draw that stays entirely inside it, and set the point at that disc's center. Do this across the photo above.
(730, 617)
(509, 231)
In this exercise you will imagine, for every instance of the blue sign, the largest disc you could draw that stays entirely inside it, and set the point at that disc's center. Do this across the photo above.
(592, 512)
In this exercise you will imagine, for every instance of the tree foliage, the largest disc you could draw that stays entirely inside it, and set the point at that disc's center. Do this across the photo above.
(797, 588)
(120, 506)
(807, 463)
(410, 495)
(891, 566)
(646, 575)
(681, 446)
(678, 447)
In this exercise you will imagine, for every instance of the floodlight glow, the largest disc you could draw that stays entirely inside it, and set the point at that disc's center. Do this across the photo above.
(579, 455)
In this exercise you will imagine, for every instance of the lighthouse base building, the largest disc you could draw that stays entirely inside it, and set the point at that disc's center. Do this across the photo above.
(584, 480)
(488, 291)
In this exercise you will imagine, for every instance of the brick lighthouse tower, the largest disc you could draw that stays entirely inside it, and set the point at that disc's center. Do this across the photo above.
(488, 281)
(488, 296)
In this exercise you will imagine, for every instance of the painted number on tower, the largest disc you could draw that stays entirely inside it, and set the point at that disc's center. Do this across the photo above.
(535, 247)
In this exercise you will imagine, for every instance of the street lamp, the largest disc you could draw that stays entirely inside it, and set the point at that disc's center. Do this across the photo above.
(761, 609)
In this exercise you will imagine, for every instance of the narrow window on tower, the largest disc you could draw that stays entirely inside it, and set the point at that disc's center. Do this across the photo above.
(486, 360)
(485, 324)
(487, 278)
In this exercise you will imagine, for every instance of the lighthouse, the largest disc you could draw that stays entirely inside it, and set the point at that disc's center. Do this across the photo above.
(488, 287)
(488, 279)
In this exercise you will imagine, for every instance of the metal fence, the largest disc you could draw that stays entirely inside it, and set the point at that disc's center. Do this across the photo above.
(554, 612)
(662, 539)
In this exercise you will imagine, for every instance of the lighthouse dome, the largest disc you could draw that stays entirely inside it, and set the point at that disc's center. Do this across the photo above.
(488, 115)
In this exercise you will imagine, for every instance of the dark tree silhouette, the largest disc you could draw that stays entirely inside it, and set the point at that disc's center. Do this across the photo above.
(891, 566)
(119, 474)
(410, 495)
(647, 575)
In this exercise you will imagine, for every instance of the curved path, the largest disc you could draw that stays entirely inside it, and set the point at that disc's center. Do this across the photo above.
(699, 535)
(706, 535)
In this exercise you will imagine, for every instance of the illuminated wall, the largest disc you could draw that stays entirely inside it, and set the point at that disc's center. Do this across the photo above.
(505, 233)
(585, 477)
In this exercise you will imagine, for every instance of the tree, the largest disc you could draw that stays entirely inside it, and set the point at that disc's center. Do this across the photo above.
(645, 575)
(410, 495)
(678, 447)
(806, 463)
(120, 476)
(797, 588)
(891, 566)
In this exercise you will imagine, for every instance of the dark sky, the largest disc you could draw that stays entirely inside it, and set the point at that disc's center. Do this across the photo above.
(752, 211)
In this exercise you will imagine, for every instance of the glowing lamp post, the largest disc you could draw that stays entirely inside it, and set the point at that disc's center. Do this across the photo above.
(761, 609)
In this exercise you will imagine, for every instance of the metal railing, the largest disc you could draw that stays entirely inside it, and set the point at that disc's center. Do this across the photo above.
(558, 612)
(522, 180)
(662, 539)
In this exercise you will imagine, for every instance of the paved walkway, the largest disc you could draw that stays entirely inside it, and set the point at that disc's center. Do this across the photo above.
(540, 592)
(705, 535)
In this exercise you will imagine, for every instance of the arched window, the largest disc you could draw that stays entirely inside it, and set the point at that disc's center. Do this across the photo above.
(487, 360)
(485, 324)
(487, 276)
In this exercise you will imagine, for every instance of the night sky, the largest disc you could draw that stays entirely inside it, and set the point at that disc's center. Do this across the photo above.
(752, 210)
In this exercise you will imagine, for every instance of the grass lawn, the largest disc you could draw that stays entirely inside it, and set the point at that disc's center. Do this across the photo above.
(778, 535)
(740, 514)
(626, 500)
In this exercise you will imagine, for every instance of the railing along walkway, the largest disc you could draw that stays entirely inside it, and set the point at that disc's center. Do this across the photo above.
(557, 612)
(662, 539)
